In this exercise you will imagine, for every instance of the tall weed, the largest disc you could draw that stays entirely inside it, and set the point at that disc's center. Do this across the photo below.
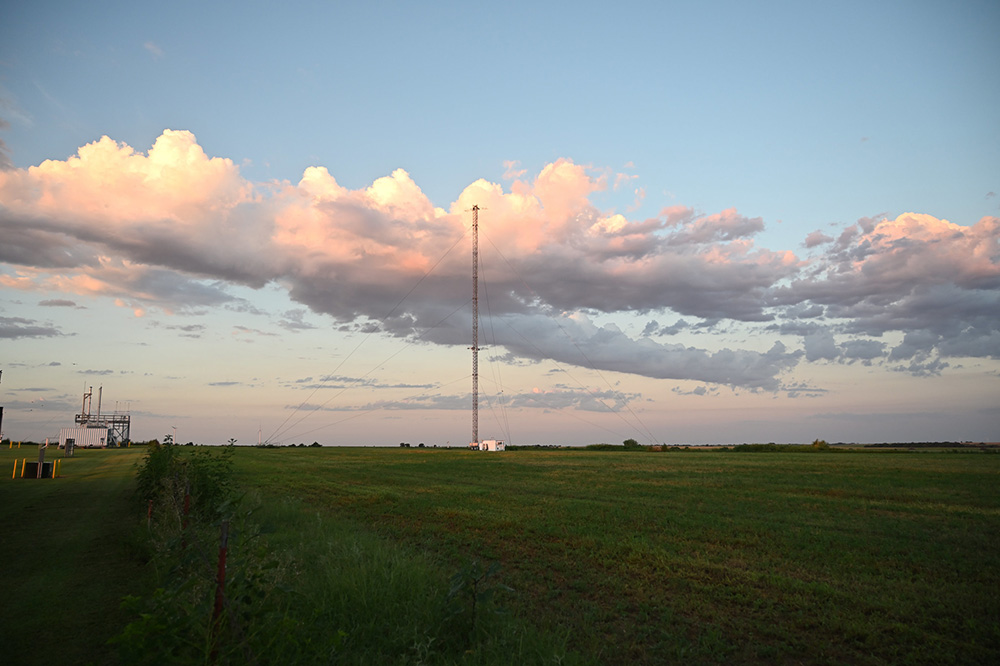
(304, 588)
(166, 475)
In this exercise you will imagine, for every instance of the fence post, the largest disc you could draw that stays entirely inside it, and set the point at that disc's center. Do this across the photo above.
(187, 510)
(220, 589)
(41, 458)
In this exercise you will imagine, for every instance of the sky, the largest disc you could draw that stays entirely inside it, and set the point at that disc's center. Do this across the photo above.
(699, 223)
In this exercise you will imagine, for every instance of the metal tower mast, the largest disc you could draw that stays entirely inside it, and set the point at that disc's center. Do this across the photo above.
(475, 325)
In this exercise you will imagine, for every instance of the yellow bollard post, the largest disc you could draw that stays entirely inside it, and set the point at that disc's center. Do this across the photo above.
(23, 460)
(13, 474)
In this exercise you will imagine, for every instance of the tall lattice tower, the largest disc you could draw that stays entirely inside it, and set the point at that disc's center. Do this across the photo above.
(475, 327)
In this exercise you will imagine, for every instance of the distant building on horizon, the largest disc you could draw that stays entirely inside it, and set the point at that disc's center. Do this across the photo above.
(489, 445)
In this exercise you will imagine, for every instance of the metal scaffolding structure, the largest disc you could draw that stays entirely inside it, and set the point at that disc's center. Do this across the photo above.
(118, 423)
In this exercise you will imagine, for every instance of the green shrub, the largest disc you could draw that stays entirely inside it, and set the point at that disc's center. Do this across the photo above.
(166, 474)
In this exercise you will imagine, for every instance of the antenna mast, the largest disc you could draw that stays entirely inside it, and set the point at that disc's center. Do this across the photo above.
(475, 326)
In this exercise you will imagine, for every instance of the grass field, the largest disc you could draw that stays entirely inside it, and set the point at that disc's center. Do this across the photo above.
(865, 558)
(65, 552)
(689, 557)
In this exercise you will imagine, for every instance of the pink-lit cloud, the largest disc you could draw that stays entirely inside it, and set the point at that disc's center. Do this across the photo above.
(512, 170)
(174, 229)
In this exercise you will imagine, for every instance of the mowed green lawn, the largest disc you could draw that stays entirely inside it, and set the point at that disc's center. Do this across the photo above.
(863, 558)
(65, 556)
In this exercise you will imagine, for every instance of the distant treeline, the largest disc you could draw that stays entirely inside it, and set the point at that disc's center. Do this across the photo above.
(931, 445)
(770, 447)
(632, 445)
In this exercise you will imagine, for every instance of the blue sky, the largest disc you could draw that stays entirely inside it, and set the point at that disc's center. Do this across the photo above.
(739, 144)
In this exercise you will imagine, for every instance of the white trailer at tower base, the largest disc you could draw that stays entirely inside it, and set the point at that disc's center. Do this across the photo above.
(84, 438)
(489, 445)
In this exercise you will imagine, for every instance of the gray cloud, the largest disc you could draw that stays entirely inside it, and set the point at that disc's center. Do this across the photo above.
(820, 345)
(294, 320)
(802, 390)
(817, 238)
(6, 163)
(51, 405)
(702, 390)
(576, 341)
(864, 350)
(936, 282)
(19, 327)
(344, 382)
(559, 398)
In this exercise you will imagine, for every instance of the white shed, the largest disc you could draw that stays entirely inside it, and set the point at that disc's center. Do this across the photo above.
(90, 438)
(491, 445)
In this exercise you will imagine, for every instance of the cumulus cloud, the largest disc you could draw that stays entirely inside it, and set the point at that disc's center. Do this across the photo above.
(935, 281)
(724, 226)
(173, 229)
